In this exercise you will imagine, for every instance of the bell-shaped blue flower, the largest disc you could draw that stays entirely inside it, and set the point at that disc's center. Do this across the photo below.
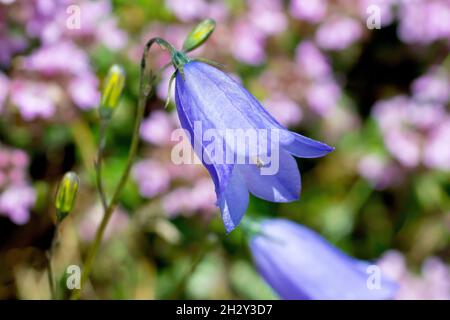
(208, 96)
(299, 264)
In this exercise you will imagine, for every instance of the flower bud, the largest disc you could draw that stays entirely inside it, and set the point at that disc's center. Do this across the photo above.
(112, 89)
(66, 195)
(199, 35)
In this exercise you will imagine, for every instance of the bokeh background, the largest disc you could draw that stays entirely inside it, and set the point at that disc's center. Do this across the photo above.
(380, 96)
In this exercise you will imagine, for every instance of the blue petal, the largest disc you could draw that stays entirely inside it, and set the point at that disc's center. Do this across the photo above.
(303, 147)
(215, 98)
(233, 201)
(220, 173)
(299, 264)
(226, 104)
(284, 186)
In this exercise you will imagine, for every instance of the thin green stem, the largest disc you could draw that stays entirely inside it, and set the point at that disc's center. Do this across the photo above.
(98, 162)
(145, 88)
(49, 254)
(51, 282)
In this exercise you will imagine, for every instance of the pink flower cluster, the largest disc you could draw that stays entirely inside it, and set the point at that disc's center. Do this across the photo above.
(17, 196)
(56, 74)
(432, 283)
(415, 129)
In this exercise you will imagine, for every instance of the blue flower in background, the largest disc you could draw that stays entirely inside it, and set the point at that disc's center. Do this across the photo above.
(299, 264)
(207, 95)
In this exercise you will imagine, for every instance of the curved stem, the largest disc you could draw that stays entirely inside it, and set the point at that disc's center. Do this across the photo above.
(145, 88)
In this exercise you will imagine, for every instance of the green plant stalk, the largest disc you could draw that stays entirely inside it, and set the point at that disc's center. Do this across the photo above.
(145, 88)
(51, 282)
(49, 254)
(98, 162)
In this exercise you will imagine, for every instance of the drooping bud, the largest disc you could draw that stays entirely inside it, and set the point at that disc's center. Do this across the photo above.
(199, 35)
(112, 89)
(66, 195)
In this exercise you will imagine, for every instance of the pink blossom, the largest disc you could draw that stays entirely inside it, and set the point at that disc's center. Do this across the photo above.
(33, 99)
(186, 201)
(267, 16)
(309, 10)
(385, 8)
(424, 21)
(152, 178)
(379, 171)
(434, 86)
(157, 128)
(405, 146)
(311, 61)
(53, 59)
(188, 10)
(338, 33)
(248, 44)
(83, 91)
(323, 96)
(432, 283)
(91, 220)
(286, 111)
(437, 148)
(4, 88)
(16, 201)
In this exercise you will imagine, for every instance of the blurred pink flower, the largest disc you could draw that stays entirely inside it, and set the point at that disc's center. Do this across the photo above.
(53, 59)
(437, 149)
(83, 91)
(323, 96)
(413, 132)
(308, 10)
(432, 283)
(47, 20)
(267, 16)
(19, 158)
(33, 99)
(4, 89)
(198, 9)
(91, 220)
(286, 111)
(379, 171)
(13, 167)
(434, 86)
(157, 128)
(100, 25)
(404, 146)
(151, 177)
(338, 33)
(311, 60)
(248, 44)
(16, 201)
(187, 10)
(186, 201)
(10, 43)
(424, 21)
(176, 201)
(385, 6)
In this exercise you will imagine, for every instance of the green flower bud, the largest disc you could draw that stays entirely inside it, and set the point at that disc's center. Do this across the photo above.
(66, 195)
(112, 89)
(199, 35)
